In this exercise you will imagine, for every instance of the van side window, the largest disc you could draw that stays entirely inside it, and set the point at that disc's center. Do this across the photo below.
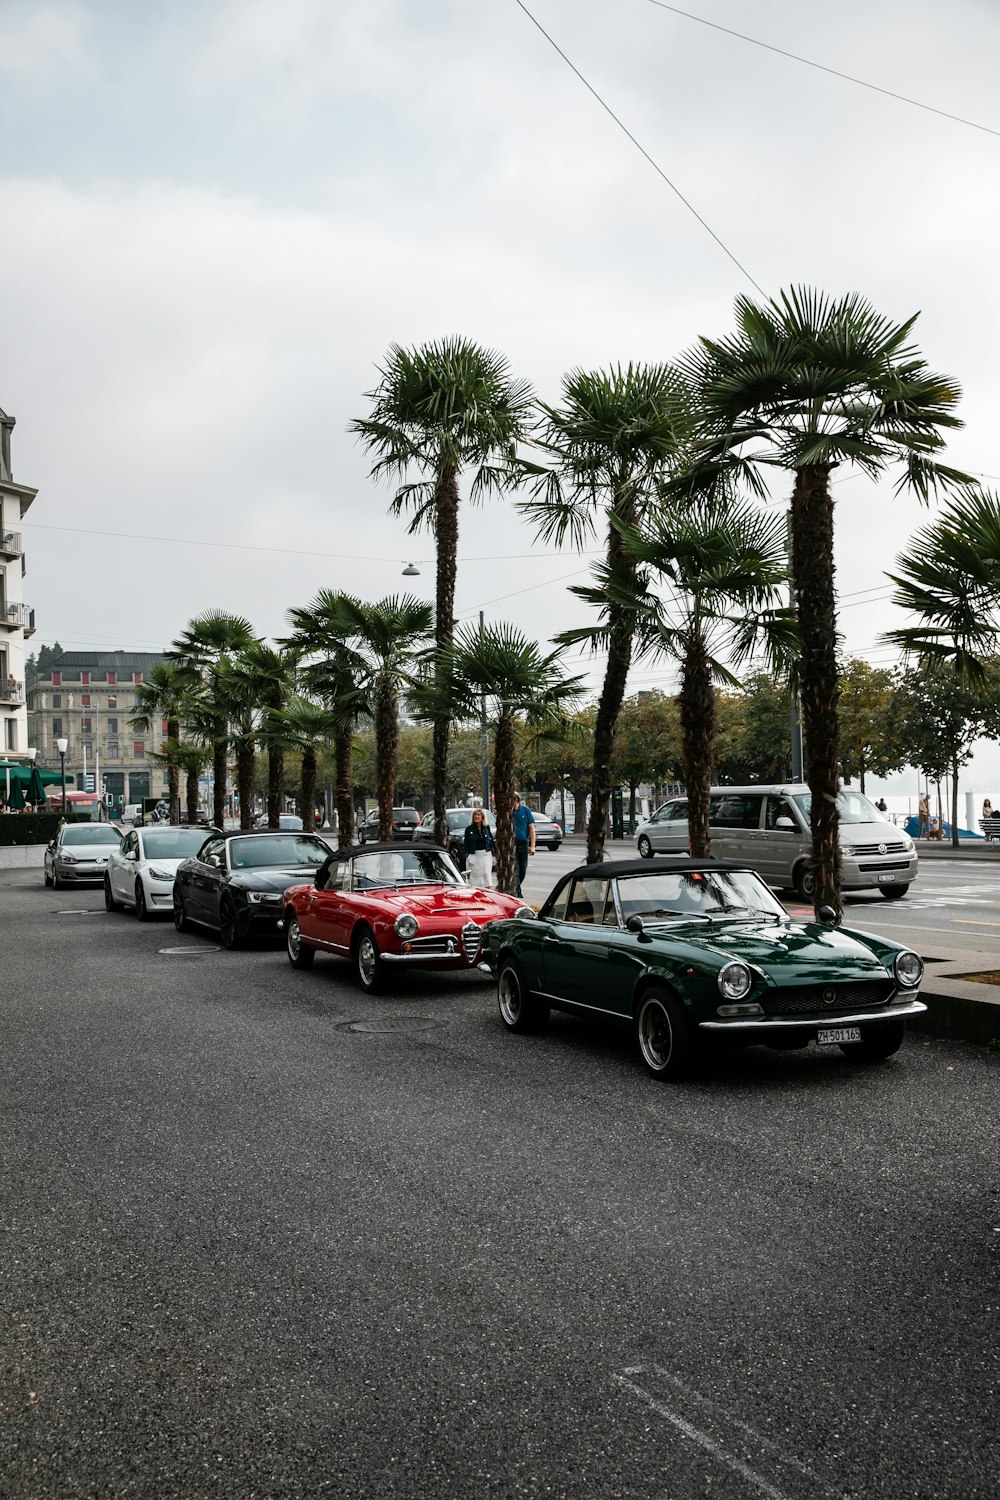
(735, 810)
(780, 807)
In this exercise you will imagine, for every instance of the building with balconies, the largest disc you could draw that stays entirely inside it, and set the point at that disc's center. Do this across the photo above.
(88, 698)
(17, 621)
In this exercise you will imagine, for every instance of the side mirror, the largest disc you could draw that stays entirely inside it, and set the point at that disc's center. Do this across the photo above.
(634, 924)
(785, 824)
(52, 847)
(828, 915)
(131, 855)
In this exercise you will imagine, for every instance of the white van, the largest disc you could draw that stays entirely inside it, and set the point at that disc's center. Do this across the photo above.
(767, 827)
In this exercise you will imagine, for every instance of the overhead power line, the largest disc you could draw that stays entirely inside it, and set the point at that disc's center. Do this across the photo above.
(641, 149)
(835, 72)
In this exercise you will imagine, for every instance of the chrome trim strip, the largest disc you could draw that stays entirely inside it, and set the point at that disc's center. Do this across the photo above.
(777, 1023)
(425, 958)
(579, 1005)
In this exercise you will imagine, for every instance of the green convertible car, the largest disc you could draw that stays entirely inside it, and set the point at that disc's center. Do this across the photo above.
(697, 952)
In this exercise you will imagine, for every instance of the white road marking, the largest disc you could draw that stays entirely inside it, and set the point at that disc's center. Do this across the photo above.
(704, 1440)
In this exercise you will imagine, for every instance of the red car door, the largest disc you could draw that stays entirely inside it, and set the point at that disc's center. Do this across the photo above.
(326, 917)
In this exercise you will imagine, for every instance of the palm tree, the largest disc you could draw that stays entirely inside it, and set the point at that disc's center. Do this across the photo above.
(208, 645)
(607, 446)
(192, 759)
(518, 680)
(169, 695)
(268, 678)
(808, 383)
(389, 635)
(949, 580)
(304, 726)
(437, 410)
(723, 566)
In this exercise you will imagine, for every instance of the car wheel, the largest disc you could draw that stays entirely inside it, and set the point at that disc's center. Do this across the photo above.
(47, 877)
(520, 1010)
(300, 955)
(665, 1035)
(805, 882)
(645, 847)
(57, 884)
(894, 892)
(367, 964)
(877, 1042)
(110, 904)
(141, 909)
(229, 932)
(181, 922)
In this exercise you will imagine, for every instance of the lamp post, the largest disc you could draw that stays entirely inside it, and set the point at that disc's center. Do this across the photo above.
(62, 746)
(31, 760)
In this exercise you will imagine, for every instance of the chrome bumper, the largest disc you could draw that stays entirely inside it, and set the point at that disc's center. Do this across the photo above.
(437, 959)
(807, 1023)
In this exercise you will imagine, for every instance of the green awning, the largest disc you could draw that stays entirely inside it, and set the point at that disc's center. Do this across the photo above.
(18, 771)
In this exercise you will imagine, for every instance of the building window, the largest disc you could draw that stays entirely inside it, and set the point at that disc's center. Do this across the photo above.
(57, 729)
(57, 679)
(139, 749)
(88, 749)
(85, 700)
(57, 700)
(164, 728)
(87, 726)
(85, 679)
(112, 726)
(112, 701)
(112, 679)
(113, 751)
(136, 676)
(10, 734)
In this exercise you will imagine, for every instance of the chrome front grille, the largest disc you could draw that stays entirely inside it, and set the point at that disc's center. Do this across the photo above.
(472, 938)
(432, 945)
(826, 999)
(884, 848)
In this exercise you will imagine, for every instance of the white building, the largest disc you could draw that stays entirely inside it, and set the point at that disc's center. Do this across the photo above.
(17, 621)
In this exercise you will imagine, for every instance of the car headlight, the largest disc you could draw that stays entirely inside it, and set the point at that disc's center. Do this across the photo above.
(734, 981)
(406, 926)
(525, 911)
(847, 848)
(256, 897)
(907, 841)
(69, 859)
(908, 968)
(155, 874)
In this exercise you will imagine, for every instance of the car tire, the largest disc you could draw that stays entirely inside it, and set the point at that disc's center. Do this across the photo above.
(110, 904)
(645, 847)
(57, 884)
(877, 1042)
(229, 932)
(141, 909)
(367, 964)
(300, 955)
(664, 1035)
(893, 892)
(520, 1010)
(805, 883)
(47, 878)
(181, 922)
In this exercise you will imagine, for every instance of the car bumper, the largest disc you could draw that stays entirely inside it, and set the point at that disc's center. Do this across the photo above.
(159, 894)
(855, 878)
(80, 872)
(893, 1012)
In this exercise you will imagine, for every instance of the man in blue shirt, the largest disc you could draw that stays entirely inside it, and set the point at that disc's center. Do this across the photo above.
(524, 837)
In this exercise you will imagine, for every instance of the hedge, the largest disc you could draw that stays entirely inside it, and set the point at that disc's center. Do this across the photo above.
(34, 828)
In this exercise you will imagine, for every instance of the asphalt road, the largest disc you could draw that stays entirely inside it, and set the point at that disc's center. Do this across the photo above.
(251, 1252)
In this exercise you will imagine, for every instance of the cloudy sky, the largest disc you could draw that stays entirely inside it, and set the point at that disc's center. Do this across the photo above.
(215, 216)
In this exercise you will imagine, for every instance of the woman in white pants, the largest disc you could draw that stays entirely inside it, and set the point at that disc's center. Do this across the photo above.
(480, 847)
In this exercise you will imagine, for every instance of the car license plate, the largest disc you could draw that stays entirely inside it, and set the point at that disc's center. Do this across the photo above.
(888, 879)
(832, 1036)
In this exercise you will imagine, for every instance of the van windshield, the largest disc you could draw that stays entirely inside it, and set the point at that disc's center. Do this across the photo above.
(852, 807)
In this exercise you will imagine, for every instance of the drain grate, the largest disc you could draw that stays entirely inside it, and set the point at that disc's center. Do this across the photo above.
(187, 951)
(394, 1023)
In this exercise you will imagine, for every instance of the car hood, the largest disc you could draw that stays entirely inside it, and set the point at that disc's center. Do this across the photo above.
(444, 900)
(88, 851)
(798, 950)
(269, 879)
(171, 866)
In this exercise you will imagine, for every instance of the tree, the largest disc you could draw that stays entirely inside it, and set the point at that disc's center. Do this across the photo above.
(305, 725)
(518, 681)
(869, 729)
(647, 743)
(268, 676)
(808, 383)
(606, 447)
(208, 646)
(940, 718)
(168, 694)
(753, 740)
(437, 410)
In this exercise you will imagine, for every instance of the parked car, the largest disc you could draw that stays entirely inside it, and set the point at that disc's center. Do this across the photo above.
(699, 952)
(236, 881)
(384, 906)
(404, 821)
(459, 819)
(132, 814)
(767, 827)
(140, 872)
(79, 852)
(548, 834)
(289, 822)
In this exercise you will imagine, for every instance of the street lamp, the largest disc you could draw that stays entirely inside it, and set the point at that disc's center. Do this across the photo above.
(411, 571)
(62, 746)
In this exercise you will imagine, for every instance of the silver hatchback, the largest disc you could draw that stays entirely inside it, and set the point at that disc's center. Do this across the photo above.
(80, 852)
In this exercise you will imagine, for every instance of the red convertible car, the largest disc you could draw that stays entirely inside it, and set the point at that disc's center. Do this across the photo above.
(383, 905)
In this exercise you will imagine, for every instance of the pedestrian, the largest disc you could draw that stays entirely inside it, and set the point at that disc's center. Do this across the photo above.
(988, 808)
(480, 847)
(923, 817)
(524, 838)
(882, 805)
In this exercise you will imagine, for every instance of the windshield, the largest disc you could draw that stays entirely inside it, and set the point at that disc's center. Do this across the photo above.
(93, 833)
(852, 807)
(276, 849)
(172, 843)
(697, 893)
(408, 867)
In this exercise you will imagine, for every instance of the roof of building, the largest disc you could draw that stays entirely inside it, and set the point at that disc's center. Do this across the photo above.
(126, 662)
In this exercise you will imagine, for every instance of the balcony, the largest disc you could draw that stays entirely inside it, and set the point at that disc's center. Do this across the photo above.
(10, 544)
(17, 617)
(11, 691)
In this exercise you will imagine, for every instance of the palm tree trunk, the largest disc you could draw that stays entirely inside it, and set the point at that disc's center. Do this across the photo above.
(343, 752)
(173, 770)
(275, 784)
(307, 788)
(446, 499)
(954, 802)
(192, 793)
(579, 790)
(245, 758)
(608, 709)
(696, 702)
(813, 573)
(220, 771)
(386, 747)
(503, 790)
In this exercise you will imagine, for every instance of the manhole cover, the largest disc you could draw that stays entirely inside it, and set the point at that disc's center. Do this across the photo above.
(394, 1023)
(188, 952)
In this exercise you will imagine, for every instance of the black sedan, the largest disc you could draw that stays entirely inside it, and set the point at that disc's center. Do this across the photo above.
(236, 881)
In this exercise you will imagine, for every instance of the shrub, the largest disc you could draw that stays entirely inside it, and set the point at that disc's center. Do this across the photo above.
(34, 828)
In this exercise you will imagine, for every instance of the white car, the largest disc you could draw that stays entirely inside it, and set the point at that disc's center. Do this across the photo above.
(79, 851)
(141, 872)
